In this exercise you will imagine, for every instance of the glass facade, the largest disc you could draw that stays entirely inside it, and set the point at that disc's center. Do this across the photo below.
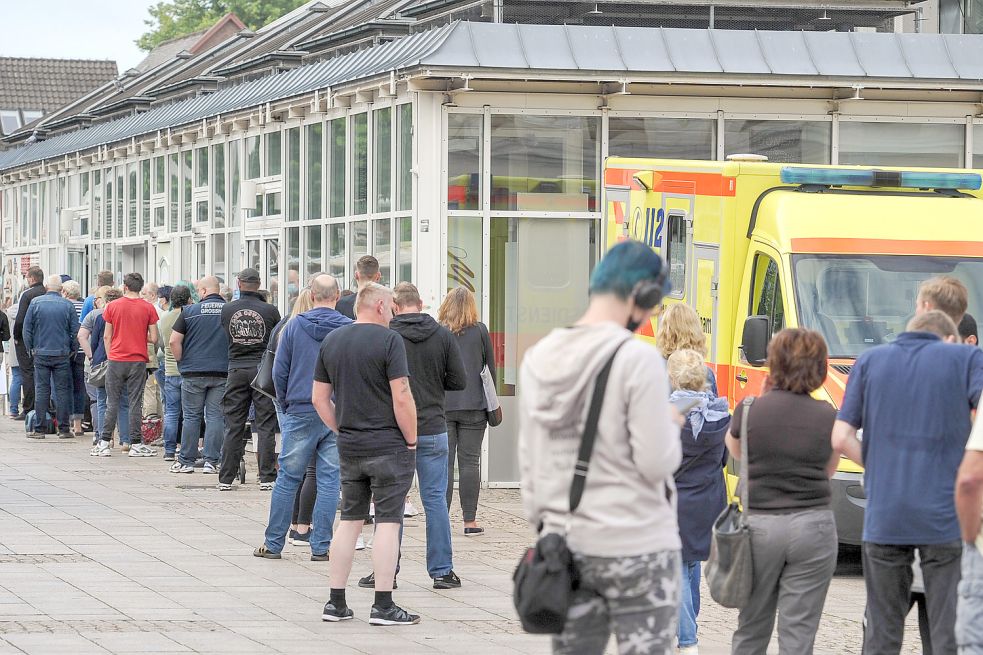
(293, 174)
(360, 163)
(666, 138)
(464, 149)
(806, 142)
(902, 144)
(314, 168)
(382, 166)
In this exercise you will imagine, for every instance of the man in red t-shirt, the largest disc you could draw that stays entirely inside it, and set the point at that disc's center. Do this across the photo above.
(131, 323)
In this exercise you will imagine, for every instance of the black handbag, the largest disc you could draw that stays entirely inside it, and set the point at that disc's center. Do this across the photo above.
(263, 382)
(546, 576)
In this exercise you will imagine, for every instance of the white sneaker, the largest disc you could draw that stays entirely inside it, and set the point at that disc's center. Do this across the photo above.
(266, 486)
(688, 650)
(409, 510)
(360, 544)
(101, 449)
(209, 468)
(178, 467)
(139, 450)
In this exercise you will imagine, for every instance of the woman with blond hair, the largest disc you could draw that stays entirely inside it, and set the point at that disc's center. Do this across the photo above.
(466, 410)
(680, 329)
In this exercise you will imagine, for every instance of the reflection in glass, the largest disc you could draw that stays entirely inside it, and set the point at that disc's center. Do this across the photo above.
(336, 253)
(274, 153)
(160, 174)
(464, 254)
(218, 256)
(464, 145)
(293, 265)
(218, 184)
(234, 182)
(902, 144)
(201, 166)
(252, 158)
(383, 249)
(315, 169)
(545, 163)
(804, 142)
(293, 174)
(404, 151)
(174, 166)
(273, 269)
(336, 152)
(360, 240)
(145, 183)
(667, 138)
(252, 254)
(404, 254)
(382, 135)
(313, 257)
(131, 196)
(186, 173)
(360, 163)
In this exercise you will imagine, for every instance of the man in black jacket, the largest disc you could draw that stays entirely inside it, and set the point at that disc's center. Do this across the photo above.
(35, 278)
(248, 323)
(436, 366)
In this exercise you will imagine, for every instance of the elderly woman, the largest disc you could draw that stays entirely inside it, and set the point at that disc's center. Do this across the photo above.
(680, 329)
(790, 461)
(699, 479)
(623, 535)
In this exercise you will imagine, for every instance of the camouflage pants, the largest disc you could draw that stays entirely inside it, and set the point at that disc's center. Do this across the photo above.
(636, 598)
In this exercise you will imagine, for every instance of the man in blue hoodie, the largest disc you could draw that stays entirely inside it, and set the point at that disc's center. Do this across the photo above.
(50, 330)
(303, 431)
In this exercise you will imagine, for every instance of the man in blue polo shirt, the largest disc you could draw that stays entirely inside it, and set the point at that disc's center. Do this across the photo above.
(913, 399)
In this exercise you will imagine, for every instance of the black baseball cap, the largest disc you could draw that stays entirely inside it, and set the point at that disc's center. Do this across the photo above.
(249, 276)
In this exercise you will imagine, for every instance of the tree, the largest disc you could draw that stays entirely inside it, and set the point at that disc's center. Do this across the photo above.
(169, 20)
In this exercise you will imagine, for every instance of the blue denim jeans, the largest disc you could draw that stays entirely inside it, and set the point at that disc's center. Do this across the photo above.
(689, 604)
(172, 412)
(79, 396)
(431, 470)
(202, 396)
(303, 436)
(123, 423)
(53, 371)
(13, 394)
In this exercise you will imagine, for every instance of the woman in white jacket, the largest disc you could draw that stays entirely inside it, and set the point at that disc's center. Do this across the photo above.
(623, 535)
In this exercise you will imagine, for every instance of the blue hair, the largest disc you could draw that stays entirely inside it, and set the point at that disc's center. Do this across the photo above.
(624, 266)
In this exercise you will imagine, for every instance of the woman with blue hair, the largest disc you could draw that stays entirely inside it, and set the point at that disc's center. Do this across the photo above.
(623, 535)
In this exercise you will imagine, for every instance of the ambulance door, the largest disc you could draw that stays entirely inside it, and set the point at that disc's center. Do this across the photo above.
(762, 296)
(703, 292)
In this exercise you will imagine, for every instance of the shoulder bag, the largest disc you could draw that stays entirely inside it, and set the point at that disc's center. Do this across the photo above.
(493, 408)
(546, 576)
(729, 570)
(263, 382)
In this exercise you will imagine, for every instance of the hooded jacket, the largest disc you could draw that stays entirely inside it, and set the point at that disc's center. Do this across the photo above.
(435, 364)
(297, 351)
(629, 502)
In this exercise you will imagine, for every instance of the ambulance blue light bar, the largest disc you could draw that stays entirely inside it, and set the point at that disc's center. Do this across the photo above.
(878, 178)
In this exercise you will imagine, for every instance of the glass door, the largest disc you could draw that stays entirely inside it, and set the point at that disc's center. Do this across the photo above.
(530, 294)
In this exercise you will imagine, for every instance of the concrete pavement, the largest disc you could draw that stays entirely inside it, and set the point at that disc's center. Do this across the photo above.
(116, 555)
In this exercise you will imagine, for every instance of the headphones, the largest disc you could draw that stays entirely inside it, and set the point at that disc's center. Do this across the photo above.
(648, 292)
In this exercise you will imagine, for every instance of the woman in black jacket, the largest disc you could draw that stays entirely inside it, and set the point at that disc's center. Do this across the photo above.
(466, 410)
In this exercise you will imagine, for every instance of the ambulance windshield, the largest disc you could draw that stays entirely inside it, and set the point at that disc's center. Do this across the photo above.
(860, 301)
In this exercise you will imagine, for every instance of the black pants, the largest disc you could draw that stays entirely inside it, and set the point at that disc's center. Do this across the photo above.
(306, 495)
(235, 405)
(26, 362)
(888, 576)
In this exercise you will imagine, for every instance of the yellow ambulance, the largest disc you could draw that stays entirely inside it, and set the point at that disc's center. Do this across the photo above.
(755, 247)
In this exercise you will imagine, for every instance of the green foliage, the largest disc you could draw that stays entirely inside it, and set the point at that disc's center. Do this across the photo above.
(169, 20)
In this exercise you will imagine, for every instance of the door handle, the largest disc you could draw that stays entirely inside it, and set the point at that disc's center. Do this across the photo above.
(742, 378)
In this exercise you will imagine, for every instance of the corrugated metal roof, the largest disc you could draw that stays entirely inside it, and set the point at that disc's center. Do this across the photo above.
(467, 47)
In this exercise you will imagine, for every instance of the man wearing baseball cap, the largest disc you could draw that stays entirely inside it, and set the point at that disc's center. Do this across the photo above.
(248, 323)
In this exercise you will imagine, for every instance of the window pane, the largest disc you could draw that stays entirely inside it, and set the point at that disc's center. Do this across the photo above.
(96, 203)
(234, 182)
(383, 152)
(145, 183)
(314, 262)
(273, 269)
(293, 174)
(805, 142)
(252, 254)
(545, 163)
(669, 138)
(383, 250)
(404, 174)
(336, 253)
(252, 158)
(159, 216)
(464, 254)
(464, 144)
(218, 184)
(108, 181)
(274, 154)
(274, 204)
(293, 265)
(315, 169)
(201, 212)
(160, 174)
(186, 174)
(360, 240)
(218, 256)
(360, 163)
(201, 166)
(902, 144)
(120, 216)
(404, 254)
(173, 165)
(131, 196)
(336, 152)
(676, 253)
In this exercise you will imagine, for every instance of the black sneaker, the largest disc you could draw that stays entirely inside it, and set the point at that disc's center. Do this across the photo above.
(448, 581)
(368, 582)
(66, 435)
(319, 557)
(335, 614)
(35, 435)
(395, 615)
(298, 539)
(262, 552)
(20, 417)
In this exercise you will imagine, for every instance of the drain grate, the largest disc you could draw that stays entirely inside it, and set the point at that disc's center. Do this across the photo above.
(62, 558)
(105, 625)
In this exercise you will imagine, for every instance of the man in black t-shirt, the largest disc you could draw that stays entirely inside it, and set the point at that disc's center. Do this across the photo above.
(362, 392)
(248, 323)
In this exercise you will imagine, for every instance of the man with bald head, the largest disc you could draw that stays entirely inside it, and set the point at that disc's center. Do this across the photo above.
(304, 435)
(201, 349)
(50, 330)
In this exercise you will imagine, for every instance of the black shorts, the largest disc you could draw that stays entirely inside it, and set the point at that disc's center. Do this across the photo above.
(386, 478)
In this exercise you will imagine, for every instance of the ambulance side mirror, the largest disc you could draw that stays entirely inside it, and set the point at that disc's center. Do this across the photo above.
(754, 342)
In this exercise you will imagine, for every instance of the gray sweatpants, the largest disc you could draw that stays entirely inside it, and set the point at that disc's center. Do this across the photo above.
(637, 598)
(794, 558)
(128, 378)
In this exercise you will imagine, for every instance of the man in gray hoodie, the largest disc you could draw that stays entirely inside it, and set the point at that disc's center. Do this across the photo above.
(623, 535)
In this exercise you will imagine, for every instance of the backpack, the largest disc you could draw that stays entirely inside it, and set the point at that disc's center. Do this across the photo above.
(31, 423)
